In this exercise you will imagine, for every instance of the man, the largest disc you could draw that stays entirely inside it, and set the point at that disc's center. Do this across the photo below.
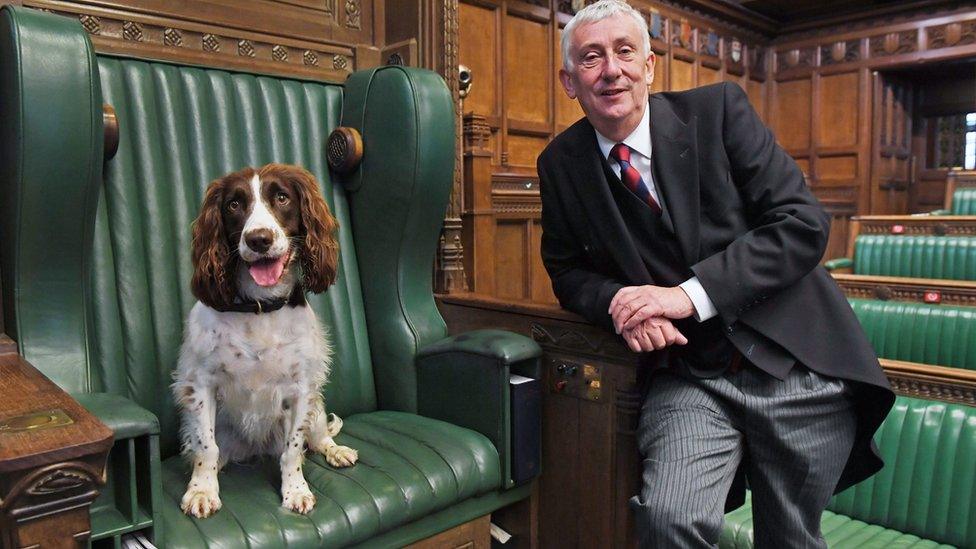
(678, 222)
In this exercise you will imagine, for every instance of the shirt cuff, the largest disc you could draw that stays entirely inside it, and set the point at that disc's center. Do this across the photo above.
(704, 308)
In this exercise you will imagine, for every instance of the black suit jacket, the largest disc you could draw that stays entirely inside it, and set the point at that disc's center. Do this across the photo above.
(747, 226)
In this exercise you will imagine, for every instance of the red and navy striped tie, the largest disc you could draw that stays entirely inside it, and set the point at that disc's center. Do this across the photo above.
(631, 177)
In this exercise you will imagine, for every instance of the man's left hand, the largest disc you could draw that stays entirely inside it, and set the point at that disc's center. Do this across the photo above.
(635, 304)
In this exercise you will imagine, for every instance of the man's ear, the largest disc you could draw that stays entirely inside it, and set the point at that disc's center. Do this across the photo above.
(650, 62)
(567, 81)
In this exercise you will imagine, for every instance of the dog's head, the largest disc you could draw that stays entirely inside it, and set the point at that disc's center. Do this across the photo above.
(255, 227)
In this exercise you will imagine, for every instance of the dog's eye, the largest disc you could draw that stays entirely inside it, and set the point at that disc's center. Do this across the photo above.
(281, 198)
(233, 205)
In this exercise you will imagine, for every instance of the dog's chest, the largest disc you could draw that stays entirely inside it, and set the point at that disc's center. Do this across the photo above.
(260, 353)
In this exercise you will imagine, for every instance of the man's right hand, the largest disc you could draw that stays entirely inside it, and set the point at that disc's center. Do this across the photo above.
(653, 334)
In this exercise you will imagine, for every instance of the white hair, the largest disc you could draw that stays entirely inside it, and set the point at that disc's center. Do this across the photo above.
(599, 11)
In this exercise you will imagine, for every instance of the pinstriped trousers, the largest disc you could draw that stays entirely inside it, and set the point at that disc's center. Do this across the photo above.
(795, 436)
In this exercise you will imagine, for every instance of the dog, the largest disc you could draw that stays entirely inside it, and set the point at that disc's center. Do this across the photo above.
(254, 358)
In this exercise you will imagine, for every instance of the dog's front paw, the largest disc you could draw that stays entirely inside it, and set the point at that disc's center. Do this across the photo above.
(298, 499)
(341, 456)
(200, 503)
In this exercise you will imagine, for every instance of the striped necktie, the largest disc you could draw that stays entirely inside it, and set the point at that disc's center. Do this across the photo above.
(631, 177)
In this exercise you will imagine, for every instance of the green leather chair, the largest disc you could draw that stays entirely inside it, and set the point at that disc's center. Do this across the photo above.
(96, 270)
(924, 497)
(964, 201)
(920, 332)
(945, 257)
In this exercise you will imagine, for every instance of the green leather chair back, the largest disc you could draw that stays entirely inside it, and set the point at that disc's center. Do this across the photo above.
(964, 201)
(928, 484)
(920, 332)
(947, 257)
(180, 128)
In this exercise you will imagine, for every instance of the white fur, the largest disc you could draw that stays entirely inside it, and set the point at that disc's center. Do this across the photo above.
(251, 384)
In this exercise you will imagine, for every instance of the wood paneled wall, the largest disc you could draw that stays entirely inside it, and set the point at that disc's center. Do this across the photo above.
(840, 109)
(513, 51)
(827, 93)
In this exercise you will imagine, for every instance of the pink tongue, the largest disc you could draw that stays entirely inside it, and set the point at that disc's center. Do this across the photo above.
(267, 273)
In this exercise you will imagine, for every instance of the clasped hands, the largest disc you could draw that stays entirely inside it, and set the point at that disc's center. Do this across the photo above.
(642, 316)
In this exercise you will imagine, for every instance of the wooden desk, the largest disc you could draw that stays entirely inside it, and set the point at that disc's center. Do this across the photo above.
(52, 458)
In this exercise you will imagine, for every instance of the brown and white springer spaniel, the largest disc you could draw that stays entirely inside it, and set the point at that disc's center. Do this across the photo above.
(254, 357)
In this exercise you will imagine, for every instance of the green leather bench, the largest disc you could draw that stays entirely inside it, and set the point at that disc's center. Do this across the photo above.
(949, 257)
(96, 271)
(924, 497)
(964, 201)
(920, 332)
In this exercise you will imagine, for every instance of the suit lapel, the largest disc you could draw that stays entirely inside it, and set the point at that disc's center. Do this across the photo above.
(674, 161)
(600, 209)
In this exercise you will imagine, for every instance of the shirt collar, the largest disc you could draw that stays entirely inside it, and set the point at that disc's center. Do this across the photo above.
(639, 140)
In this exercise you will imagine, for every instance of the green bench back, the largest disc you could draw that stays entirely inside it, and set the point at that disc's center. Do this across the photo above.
(964, 201)
(928, 484)
(947, 257)
(920, 332)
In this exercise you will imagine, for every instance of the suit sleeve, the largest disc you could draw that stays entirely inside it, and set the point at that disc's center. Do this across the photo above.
(577, 283)
(789, 228)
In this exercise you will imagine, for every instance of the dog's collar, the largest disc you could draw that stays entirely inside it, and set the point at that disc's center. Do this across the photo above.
(296, 299)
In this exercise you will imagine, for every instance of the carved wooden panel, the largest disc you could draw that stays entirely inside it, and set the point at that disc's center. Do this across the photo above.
(510, 259)
(524, 149)
(838, 121)
(708, 75)
(478, 51)
(541, 286)
(321, 39)
(791, 120)
(528, 86)
(836, 168)
(755, 92)
(682, 75)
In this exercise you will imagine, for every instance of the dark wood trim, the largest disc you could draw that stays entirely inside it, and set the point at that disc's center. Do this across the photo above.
(931, 382)
(946, 292)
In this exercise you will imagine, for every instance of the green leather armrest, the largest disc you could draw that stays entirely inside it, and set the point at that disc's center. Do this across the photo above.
(839, 263)
(124, 417)
(464, 380)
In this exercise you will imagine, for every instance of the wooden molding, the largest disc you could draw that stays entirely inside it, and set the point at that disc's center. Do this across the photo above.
(931, 382)
(137, 30)
(949, 292)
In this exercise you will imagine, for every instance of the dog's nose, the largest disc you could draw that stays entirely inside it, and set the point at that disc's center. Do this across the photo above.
(259, 240)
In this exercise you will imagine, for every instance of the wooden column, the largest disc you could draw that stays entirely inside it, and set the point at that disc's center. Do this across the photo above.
(478, 223)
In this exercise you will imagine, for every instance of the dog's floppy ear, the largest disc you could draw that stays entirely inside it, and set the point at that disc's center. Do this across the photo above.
(320, 256)
(213, 278)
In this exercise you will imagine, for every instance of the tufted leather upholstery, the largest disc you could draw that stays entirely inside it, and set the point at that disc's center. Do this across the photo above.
(96, 274)
(920, 332)
(410, 466)
(925, 495)
(964, 201)
(946, 257)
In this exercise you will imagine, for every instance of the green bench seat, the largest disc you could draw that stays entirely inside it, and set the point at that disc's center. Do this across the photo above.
(964, 201)
(920, 332)
(922, 256)
(924, 497)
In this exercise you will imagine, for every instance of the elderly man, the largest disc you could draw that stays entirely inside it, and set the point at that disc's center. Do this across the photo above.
(677, 221)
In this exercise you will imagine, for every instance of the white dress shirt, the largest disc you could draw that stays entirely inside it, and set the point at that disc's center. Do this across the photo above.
(640, 158)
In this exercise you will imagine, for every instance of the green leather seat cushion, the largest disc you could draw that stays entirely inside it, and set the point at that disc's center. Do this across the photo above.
(920, 332)
(839, 531)
(919, 256)
(409, 466)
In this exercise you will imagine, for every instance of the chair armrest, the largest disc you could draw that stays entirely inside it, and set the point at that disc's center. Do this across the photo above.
(124, 417)
(464, 380)
(840, 264)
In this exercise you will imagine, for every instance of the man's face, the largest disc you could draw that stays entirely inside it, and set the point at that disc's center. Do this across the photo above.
(610, 74)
